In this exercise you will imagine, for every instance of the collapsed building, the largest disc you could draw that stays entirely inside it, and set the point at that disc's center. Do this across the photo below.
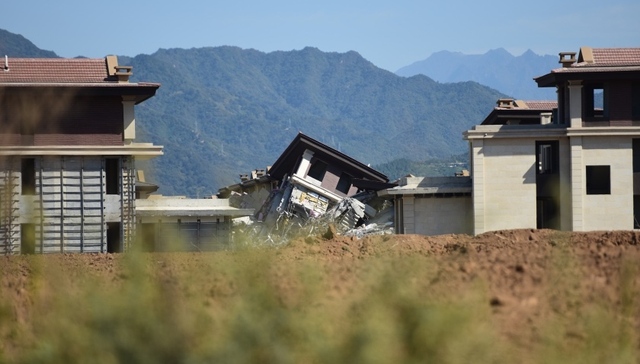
(311, 183)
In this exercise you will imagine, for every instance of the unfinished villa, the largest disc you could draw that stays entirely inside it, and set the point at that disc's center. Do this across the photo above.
(67, 180)
(569, 164)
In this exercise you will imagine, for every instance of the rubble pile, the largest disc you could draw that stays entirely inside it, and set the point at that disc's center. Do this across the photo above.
(291, 212)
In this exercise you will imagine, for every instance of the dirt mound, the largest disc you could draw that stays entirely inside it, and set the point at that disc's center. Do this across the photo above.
(528, 277)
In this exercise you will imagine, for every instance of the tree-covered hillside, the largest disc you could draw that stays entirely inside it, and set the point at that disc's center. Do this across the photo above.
(224, 111)
(15, 45)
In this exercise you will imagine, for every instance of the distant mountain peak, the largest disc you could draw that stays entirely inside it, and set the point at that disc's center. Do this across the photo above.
(497, 68)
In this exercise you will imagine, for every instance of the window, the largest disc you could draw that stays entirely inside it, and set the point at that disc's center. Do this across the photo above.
(598, 180)
(111, 167)
(28, 170)
(317, 170)
(595, 102)
(344, 184)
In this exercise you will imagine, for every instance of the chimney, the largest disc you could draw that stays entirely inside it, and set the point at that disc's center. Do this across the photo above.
(121, 72)
(545, 118)
(567, 58)
(506, 103)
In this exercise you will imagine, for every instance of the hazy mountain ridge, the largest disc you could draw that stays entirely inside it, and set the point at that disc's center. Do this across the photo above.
(223, 111)
(497, 68)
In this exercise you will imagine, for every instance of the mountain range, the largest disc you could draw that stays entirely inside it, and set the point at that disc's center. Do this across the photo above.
(497, 68)
(223, 111)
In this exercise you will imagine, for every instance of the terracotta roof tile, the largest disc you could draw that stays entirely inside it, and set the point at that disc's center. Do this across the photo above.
(616, 56)
(541, 104)
(53, 70)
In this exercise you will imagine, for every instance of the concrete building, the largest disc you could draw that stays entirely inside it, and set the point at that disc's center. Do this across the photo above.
(431, 205)
(67, 154)
(574, 166)
(185, 224)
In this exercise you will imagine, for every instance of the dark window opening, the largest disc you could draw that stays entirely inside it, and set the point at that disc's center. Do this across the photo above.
(112, 169)
(344, 184)
(595, 103)
(27, 238)
(547, 158)
(28, 176)
(598, 180)
(114, 237)
(317, 170)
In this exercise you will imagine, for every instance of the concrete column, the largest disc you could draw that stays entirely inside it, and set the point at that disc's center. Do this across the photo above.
(575, 103)
(129, 121)
(477, 178)
(577, 184)
(304, 163)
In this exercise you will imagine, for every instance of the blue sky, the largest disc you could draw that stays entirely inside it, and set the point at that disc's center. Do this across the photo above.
(390, 34)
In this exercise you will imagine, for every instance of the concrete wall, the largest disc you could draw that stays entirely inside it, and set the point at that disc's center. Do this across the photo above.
(614, 211)
(504, 184)
(440, 215)
(70, 209)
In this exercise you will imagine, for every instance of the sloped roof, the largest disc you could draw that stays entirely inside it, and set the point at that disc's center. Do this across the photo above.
(542, 105)
(54, 70)
(289, 158)
(596, 63)
(608, 57)
(84, 75)
(524, 111)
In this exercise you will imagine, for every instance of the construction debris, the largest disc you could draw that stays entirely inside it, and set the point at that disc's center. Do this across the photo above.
(291, 212)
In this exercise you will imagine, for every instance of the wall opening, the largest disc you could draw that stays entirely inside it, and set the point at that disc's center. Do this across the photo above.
(317, 170)
(547, 184)
(344, 184)
(598, 180)
(112, 174)
(114, 237)
(27, 238)
(28, 170)
(595, 102)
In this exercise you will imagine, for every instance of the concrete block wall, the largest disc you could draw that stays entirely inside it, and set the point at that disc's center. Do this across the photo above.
(506, 188)
(441, 215)
(613, 211)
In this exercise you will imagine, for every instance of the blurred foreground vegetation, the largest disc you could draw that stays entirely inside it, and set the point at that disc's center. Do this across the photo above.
(266, 305)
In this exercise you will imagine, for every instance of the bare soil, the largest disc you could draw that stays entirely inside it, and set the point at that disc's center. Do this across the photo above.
(519, 271)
